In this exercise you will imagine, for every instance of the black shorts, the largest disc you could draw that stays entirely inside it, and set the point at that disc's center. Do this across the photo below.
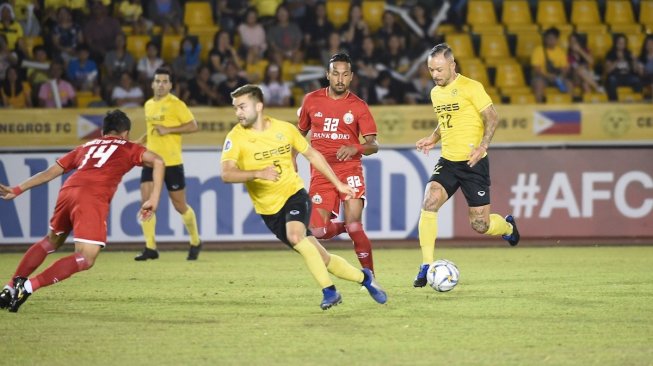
(297, 208)
(475, 182)
(174, 177)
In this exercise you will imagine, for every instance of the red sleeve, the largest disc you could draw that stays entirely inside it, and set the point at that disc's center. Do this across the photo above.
(304, 123)
(70, 161)
(137, 152)
(366, 122)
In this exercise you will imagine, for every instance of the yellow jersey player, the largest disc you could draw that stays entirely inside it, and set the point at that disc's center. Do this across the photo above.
(259, 152)
(466, 123)
(167, 118)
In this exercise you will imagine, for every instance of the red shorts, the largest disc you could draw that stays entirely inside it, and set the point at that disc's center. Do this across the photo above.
(85, 213)
(324, 195)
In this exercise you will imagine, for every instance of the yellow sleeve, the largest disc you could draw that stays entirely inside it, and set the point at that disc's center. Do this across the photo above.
(479, 97)
(537, 58)
(297, 141)
(230, 150)
(184, 115)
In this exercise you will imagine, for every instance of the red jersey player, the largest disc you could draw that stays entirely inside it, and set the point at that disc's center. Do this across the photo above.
(82, 205)
(337, 118)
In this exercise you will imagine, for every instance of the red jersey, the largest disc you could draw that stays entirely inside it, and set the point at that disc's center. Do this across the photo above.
(335, 122)
(101, 164)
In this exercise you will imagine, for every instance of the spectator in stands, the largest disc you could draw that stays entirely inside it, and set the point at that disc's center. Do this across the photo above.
(66, 34)
(619, 69)
(316, 29)
(27, 14)
(645, 63)
(116, 62)
(581, 65)
(186, 64)
(420, 15)
(254, 66)
(366, 62)
(334, 46)
(100, 32)
(222, 53)
(7, 58)
(130, 13)
(389, 27)
(149, 63)
(550, 66)
(275, 91)
(9, 26)
(38, 68)
(201, 90)
(420, 88)
(290, 68)
(127, 94)
(355, 29)
(231, 83)
(229, 13)
(16, 93)
(82, 71)
(386, 90)
(167, 14)
(252, 33)
(395, 56)
(284, 36)
(56, 92)
(267, 9)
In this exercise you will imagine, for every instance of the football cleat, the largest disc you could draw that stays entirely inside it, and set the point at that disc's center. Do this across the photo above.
(513, 238)
(20, 294)
(146, 254)
(194, 252)
(420, 280)
(5, 297)
(373, 287)
(331, 298)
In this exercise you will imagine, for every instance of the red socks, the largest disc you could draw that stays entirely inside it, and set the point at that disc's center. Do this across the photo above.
(334, 228)
(33, 258)
(362, 244)
(60, 270)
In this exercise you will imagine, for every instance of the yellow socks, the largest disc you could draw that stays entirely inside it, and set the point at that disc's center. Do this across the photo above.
(498, 226)
(314, 262)
(428, 231)
(191, 225)
(148, 232)
(339, 267)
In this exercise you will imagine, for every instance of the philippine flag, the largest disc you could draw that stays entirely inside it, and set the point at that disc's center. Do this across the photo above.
(556, 122)
(89, 126)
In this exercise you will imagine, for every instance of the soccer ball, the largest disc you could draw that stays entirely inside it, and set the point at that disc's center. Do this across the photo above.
(442, 275)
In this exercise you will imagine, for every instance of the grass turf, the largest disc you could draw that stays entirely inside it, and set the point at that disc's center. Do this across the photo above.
(513, 306)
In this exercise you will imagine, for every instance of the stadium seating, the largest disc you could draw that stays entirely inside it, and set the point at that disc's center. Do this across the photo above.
(137, 45)
(31, 42)
(595, 98)
(475, 69)
(85, 98)
(198, 17)
(627, 94)
(170, 45)
(481, 12)
(646, 14)
(635, 41)
(337, 12)
(619, 12)
(510, 79)
(526, 43)
(599, 44)
(585, 12)
(461, 43)
(592, 28)
(551, 13)
(522, 98)
(516, 16)
(494, 49)
(373, 14)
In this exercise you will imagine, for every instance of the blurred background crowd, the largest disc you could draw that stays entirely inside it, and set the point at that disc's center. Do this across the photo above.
(81, 53)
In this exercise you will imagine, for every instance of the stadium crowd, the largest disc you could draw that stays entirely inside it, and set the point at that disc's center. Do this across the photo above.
(78, 53)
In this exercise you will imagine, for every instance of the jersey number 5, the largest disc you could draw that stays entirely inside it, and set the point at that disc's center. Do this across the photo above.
(101, 153)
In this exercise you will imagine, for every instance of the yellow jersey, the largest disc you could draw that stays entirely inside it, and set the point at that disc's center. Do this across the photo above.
(458, 107)
(256, 150)
(169, 111)
(557, 56)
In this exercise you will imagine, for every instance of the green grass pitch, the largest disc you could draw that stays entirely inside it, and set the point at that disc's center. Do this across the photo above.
(513, 306)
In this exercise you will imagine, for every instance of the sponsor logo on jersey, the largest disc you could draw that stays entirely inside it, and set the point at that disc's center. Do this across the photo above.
(318, 115)
(447, 107)
(331, 135)
(227, 145)
(273, 153)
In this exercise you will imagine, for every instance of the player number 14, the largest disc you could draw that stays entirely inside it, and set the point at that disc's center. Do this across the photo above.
(101, 153)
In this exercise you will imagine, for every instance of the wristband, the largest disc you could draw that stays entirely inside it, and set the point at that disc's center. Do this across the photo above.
(360, 149)
(16, 190)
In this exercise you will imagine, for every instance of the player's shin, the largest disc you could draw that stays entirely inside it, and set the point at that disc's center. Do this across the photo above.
(498, 226)
(339, 267)
(149, 232)
(314, 262)
(60, 270)
(362, 245)
(428, 232)
(33, 258)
